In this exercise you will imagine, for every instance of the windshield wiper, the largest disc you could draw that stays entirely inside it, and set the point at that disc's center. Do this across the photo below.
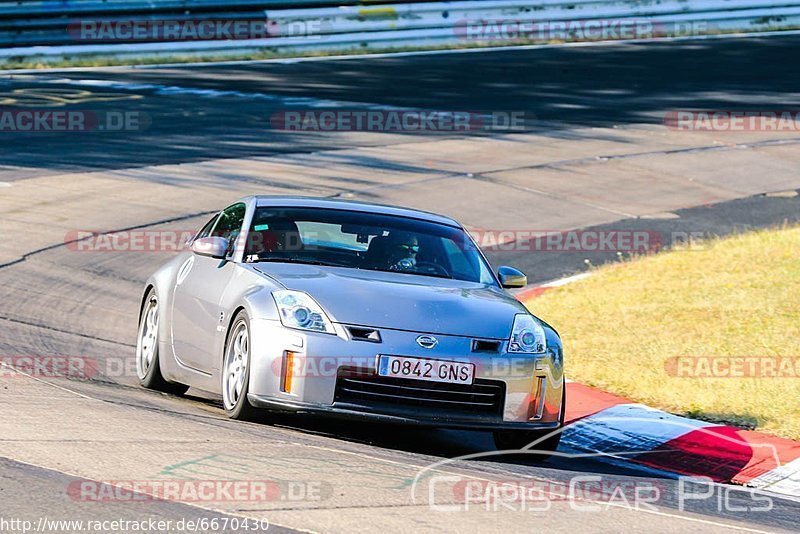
(289, 260)
(418, 273)
(432, 275)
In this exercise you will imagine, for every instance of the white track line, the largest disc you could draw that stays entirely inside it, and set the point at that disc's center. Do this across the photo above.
(559, 282)
(176, 90)
(568, 280)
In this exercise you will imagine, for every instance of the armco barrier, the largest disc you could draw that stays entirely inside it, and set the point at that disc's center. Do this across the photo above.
(38, 8)
(36, 22)
(447, 15)
(43, 29)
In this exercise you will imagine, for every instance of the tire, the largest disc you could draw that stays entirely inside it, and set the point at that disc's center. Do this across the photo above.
(506, 440)
(235, 373)
(148, 366)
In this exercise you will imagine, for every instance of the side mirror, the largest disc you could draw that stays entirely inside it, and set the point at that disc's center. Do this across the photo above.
(511, 278)
(215, 247)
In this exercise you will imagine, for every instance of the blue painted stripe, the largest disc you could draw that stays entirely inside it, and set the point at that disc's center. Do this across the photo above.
(627, 429)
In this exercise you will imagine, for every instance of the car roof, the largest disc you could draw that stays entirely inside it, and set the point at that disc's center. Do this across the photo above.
(351, 205)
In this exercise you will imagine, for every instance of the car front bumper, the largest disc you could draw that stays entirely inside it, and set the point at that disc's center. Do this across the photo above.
(532, 385)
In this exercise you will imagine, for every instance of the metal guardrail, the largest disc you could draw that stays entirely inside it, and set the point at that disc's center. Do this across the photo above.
(45, 8)
(47, 28)
(348, 19)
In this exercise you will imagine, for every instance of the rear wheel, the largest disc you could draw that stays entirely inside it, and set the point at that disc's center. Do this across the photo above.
(147, 364)
(506, 440)
(236, 370)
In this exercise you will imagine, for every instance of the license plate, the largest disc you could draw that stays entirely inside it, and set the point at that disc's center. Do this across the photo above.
(429, 370)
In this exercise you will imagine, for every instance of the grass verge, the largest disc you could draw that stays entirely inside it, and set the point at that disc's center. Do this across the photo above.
(678, 331)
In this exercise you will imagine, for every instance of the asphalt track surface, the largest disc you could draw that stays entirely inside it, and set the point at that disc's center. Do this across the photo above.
(59, 302)
(565, 87)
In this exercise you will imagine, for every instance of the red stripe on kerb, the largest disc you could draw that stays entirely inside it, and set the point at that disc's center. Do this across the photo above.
(531, 293)
(717, 452)
(583, 401)
(763, 459)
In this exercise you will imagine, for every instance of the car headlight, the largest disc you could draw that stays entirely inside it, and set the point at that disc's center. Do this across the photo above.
(298, 310)
(527, 336)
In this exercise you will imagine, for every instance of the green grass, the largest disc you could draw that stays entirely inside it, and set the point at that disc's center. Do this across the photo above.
(737, 297)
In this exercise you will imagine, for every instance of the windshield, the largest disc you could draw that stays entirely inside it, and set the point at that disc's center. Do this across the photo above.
(360, 240)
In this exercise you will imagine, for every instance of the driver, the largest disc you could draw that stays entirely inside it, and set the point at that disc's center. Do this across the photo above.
(402, 251)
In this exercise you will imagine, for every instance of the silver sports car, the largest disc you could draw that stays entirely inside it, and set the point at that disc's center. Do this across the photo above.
(351, 310)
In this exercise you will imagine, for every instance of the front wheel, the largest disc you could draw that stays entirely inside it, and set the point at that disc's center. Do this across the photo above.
(236, 370)
(147, 364)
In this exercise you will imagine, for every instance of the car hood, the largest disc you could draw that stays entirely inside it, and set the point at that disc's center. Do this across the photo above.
(402, 301)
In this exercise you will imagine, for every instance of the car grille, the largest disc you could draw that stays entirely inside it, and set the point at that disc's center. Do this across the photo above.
(358, 387)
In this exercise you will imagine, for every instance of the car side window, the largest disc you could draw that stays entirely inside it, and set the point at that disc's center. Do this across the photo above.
(229, 224)
(206, 229)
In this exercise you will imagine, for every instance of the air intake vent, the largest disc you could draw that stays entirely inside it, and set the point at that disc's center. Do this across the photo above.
(364, 334)
(364, 389)
(482, 345)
